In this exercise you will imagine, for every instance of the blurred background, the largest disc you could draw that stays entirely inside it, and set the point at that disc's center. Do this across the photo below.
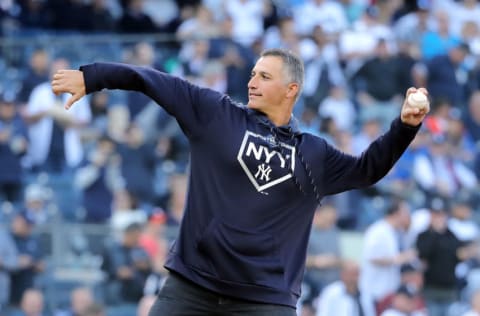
(90, 199)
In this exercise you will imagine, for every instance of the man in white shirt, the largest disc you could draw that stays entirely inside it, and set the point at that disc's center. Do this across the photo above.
(45, 115)
(383, 253)
(343, 298)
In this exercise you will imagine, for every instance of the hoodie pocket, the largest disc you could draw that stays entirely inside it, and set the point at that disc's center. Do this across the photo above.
(241, 256)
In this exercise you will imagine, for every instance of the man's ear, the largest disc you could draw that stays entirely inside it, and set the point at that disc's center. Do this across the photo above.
(292, 90)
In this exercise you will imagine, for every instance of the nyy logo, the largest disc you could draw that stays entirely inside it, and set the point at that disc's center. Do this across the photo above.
(264, 165)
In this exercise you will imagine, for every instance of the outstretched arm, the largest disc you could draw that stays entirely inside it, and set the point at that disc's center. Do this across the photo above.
(191, 105)
(347, 172)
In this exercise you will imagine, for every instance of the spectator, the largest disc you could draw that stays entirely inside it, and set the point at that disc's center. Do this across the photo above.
(383, 252)
(69, 15)
(30, 257)
(37, 72)
(135, 20)
(98, 126)
(370, 128)
(328, 14)
(338, 106)
(437, 121)
(200, 26)
(8, 262)
(439, 41)
(13, 145)
(462, 224)
(36, 203)
(323, 253)
(247, 19)
(472, 116)
(411, 279)
(378, 97)
(129, 265)
(446, 76)
(55, 146)
(101, 19)
(126, 211)
(176, 201)
(343, 297)
(81, 298)
(411, 26)
(463, 12)
(94, 309)
(322, 69)
(32, 304)
(403, 304)
(439, 172)
(440, 251)
(142, 54)
(137, 163)
(34, 15)
(474, 305)
(153, 231)
(236, 58)
(98, 180)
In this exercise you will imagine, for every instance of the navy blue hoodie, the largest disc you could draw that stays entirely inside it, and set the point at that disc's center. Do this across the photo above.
(246, 223)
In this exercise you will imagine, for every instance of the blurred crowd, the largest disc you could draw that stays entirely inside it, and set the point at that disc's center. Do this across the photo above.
(119, 163)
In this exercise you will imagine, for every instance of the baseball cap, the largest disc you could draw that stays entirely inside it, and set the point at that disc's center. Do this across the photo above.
(410, 267)
(35, 192)
(437, 204)
(405, 290)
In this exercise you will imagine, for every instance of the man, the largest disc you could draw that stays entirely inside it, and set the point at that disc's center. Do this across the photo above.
(30, 256)
(441, 251)
(255, 181)
(323, 252)
(343, 297)
(8, 262)
(383, 252)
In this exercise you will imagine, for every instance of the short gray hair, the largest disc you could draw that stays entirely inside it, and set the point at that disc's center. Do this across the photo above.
(293, 65)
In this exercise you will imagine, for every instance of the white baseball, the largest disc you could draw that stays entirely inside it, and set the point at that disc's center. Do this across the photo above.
(418, 100)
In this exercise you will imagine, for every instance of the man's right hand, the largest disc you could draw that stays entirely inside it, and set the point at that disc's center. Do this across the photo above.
(69, 81)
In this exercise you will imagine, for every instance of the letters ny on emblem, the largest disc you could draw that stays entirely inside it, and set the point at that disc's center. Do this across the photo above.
(264, 164)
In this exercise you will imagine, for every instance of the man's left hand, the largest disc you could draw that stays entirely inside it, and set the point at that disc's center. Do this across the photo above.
(411, 115)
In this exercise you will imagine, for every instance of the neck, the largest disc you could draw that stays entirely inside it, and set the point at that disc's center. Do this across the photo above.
(279, 118)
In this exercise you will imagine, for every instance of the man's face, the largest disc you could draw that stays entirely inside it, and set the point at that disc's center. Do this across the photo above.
(267, 87)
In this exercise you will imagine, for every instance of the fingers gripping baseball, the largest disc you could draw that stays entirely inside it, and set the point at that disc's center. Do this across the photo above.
(69, 81)
(416, 106)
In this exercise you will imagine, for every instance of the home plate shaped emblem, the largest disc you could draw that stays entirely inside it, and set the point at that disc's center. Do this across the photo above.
(264, 164)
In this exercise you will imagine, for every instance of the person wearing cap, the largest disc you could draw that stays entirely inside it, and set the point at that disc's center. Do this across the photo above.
(30, 256)
(403, 304)
(440, 75)
(437, 171)
(13, 145)
(440, 251)
(36, 202)
(411, 277)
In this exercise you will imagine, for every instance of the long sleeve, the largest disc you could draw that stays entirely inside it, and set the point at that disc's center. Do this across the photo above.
(192, 106)
(345, 172)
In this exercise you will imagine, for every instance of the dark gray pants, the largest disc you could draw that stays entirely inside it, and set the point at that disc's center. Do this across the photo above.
(180, 297)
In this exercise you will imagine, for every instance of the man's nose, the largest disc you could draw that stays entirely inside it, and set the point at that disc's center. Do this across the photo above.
(252, 83)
